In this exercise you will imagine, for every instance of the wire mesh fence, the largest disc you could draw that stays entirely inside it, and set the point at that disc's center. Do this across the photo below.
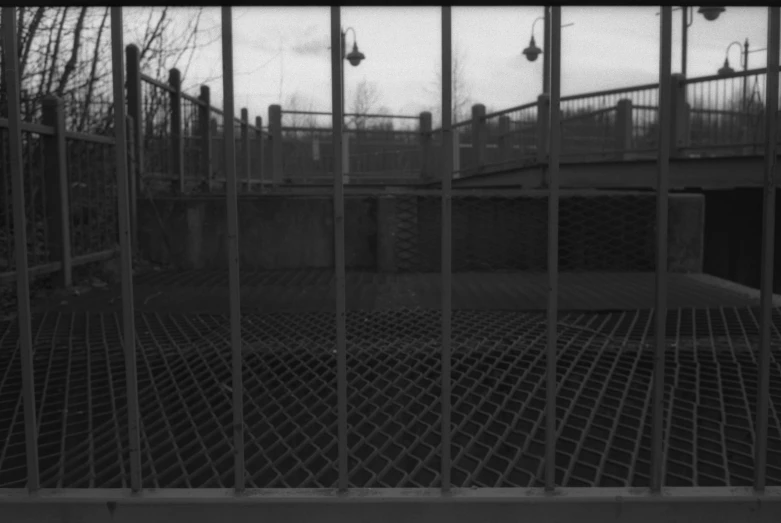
(192, 140)
(509, 233)
(36, 209)
(156, 112)
(92, 196)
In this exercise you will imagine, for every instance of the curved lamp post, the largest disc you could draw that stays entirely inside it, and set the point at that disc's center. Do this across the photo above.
(726, 70)
(354, 57)
(532, 52)
(710, 13)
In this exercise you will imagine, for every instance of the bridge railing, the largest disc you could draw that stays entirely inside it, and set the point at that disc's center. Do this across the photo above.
(375, 145)
(726, 113)
(179, 140)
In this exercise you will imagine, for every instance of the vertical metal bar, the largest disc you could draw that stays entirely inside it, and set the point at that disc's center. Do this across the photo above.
(447, 178)
(245, 150)
(684, 38)
(126, 256)
(554, 147)
(665, 128)
(546, 51)
(231, 204)
(341, 344)
(11, 60)
(768, 245)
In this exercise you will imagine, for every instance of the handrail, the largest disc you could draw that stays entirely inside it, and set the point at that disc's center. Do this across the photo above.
(368, 115)
(510, 110)
(588, 114)
(157, 83)
(193, 99)
(609, 92)
(739, 74)
(46, 130)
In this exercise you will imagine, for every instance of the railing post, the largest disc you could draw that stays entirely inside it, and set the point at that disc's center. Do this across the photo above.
(623, 128)
(204, 113)
(479, 135)
(177, 141)
(543, 119)
(132, 165)
(56, 189)
(425, 144)
(681, 115)
(456, 154)
(346, 154)
(246, 163)
(505, 142)
(275, 130)
(261, 155)
(213, 136)
(135, 106)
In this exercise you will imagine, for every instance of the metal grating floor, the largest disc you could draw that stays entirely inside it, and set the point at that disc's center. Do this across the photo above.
(604, 378)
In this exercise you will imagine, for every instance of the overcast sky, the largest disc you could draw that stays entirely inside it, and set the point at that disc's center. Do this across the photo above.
(280, 51)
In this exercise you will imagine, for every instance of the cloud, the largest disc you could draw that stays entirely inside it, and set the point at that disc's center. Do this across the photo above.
(311, 46)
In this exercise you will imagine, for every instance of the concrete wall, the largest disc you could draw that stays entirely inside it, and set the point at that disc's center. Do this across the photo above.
(733, 236)
(288, 232)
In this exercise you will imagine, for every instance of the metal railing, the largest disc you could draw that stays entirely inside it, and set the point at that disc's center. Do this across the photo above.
(546, 501)
(70, 203)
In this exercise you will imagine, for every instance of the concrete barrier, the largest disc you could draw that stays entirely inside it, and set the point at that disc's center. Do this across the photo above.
(599, 232)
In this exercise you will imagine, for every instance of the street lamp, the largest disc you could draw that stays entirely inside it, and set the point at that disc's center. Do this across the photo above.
(710, 13)
(532, 52)
(354, 57)
(727, 70)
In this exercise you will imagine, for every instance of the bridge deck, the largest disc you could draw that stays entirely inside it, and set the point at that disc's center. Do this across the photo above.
(393, 339)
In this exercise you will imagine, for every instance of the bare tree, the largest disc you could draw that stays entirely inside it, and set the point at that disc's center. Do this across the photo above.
(461, 87)
(367, 97)
(63, 51)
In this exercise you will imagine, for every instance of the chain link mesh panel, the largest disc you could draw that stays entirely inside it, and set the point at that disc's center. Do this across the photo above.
(609, 232)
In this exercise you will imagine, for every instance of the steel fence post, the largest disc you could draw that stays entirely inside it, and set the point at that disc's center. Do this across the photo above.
(339, 255)
(11, 63)
(126, 256)
(56, 180)
(450, 144)
(231, 204)
(768, 247)
(666, 94)
(554, 148)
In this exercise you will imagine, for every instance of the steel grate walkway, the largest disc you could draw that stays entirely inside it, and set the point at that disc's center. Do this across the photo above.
(603, 408)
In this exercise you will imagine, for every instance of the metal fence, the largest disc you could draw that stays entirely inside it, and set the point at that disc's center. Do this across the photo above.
(405, 412)
(82, 167)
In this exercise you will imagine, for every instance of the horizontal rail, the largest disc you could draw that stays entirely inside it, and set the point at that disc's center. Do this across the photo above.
(48, 268)
(610, 92)
(737, 74)
(585, 505)
(588, 114)
(510, 110)
(330, 130)
(563, 496)
(28, 127)
(84, 137)
(157, 83)
(322, 113)
(193, 99)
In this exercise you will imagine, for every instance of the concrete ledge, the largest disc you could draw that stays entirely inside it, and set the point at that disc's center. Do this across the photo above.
(610, 231)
